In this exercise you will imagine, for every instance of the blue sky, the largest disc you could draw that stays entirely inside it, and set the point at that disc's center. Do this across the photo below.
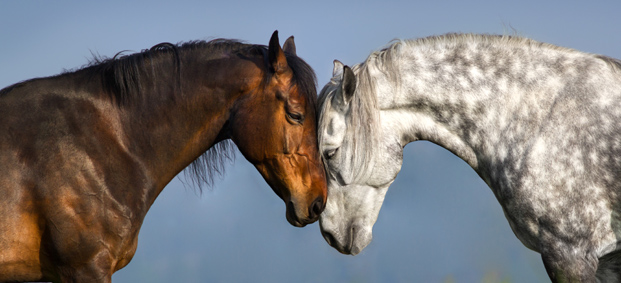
(439, 223)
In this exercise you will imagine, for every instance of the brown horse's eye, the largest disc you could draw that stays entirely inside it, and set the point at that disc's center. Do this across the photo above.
(296, 117)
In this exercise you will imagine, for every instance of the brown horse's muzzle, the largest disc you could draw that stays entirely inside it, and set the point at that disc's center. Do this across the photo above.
(299, 183)
(306, 214)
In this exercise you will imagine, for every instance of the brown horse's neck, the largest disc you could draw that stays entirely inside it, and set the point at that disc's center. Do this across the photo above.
(169, 132)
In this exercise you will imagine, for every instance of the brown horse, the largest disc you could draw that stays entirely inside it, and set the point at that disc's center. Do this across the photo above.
(84, 154)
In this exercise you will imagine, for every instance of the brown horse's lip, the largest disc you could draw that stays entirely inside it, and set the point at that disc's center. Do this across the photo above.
(296, 223)
(293, 219)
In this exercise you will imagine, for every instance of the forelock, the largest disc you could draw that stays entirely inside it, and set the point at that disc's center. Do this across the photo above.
(362, 120)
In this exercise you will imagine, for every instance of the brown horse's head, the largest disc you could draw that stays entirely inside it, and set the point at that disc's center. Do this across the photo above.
(275, 128)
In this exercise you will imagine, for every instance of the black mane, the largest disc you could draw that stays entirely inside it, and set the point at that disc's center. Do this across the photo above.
(127, 80)
(123, 76)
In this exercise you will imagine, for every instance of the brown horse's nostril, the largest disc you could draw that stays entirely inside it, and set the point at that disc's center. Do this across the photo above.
(316, 208)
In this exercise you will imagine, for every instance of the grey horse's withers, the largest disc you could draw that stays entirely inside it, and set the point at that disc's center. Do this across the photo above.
(537, 122)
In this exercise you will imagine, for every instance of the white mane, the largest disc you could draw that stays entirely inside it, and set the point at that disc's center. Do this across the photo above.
(363, 118)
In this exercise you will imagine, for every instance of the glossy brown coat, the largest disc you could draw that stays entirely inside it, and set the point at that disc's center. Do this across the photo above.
(83, 155)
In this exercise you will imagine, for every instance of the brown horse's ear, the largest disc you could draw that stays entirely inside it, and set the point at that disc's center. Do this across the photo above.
(289, 46)
(276, 57)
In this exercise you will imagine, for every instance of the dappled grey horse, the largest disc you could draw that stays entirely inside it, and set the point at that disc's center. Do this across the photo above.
(539, 124)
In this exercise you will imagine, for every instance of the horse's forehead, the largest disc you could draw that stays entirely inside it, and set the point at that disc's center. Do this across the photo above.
(300, 100)
(327, 95)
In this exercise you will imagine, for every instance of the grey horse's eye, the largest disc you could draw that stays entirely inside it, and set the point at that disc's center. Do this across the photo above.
(328, 154)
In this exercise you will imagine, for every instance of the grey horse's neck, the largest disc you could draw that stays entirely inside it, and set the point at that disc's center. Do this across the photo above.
(489, 100)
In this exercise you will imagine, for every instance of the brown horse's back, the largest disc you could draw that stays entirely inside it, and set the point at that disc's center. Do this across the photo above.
(60, 170)
(20, 247)
(21, 225)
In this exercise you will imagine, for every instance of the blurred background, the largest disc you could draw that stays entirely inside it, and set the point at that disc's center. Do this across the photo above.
(439, 222)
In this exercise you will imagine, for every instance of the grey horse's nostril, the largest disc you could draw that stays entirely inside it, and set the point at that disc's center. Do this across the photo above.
(329, 238)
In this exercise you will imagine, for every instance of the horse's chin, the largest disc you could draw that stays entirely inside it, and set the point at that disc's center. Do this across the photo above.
(353, 247)
(351, 243)
(296, 221)
(355, 251)
(361, 241)
(292, 219)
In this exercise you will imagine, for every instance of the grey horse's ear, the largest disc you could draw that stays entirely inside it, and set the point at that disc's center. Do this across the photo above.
(338, 68)
(289, 46)
(349, 84)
